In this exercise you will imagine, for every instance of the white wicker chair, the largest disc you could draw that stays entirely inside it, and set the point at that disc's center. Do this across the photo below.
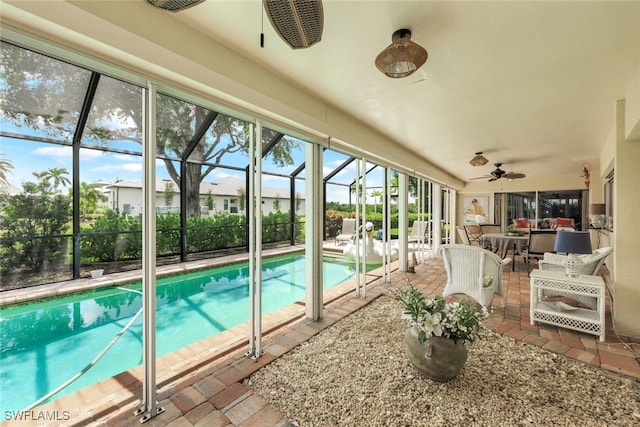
(592, 263)
(468, 267)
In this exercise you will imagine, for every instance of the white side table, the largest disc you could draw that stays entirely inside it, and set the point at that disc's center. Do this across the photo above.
(581, 319)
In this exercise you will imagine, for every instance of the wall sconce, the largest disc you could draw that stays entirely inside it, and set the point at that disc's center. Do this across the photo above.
(586, 174)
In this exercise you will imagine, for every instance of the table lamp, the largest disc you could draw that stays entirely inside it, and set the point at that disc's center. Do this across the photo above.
(573, 243)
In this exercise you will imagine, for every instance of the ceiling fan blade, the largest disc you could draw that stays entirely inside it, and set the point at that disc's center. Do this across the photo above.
(514, 175)
(481, 177)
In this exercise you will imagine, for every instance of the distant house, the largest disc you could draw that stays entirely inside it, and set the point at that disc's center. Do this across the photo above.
(224, 196)
(10, 189)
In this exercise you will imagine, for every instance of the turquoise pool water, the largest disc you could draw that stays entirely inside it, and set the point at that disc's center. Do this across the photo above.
(46, 343)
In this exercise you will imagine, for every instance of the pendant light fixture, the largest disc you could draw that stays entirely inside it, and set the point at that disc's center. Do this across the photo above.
(299, 23)
(478, 160)
(174, 5)
(402, 57)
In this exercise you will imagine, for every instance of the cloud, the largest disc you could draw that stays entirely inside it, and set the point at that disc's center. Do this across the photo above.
(126, 167)
(58, 153)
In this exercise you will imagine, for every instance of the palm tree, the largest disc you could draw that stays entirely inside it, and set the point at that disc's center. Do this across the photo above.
(54, 176)
(89, 197)
(377, 196)
(5, 167)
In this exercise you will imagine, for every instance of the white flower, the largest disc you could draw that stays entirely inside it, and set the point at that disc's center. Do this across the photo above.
(431, 324)
(436, 317)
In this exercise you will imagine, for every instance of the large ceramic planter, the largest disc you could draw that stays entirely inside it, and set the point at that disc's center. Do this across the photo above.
(437, 358)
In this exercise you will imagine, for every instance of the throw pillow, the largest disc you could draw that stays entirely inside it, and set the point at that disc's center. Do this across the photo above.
(564, 222)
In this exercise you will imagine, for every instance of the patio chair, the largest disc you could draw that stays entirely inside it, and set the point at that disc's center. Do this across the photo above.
(540, 243)
(473, 271)
(462, 234)
(591, 267)
(418, 231)
(347, 232)
(474, 232)
(490, 228)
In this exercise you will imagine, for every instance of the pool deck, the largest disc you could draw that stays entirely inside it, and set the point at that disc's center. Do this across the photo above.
(202, 384)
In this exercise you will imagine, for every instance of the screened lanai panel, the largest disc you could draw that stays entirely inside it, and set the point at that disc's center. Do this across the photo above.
(282, 154)
(177, 123)
(338, 168)
(110, 202)
(115, 117)
(40, 96)
(216, 223)
(225, 142)
(35, 239)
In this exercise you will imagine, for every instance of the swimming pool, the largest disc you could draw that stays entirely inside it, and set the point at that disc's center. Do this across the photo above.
(46, 343)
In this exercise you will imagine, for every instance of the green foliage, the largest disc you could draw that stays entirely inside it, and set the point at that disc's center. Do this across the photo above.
(167, 234)
(116, 236)
(112, 237)
(90, 196)
(33, 224)
(333, 222)
(276, 227)
(209, 200)
(5, 168)
(458, 320)
(169, 192)
(214, 233)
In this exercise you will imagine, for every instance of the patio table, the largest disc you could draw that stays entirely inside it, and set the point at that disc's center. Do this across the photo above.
(504, 242)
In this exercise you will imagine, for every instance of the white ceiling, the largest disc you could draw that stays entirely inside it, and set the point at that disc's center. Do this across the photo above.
(531, 84)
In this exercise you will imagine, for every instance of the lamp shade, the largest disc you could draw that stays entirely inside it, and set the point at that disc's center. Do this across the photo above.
(478, 160)
(298, 23)
(573, 242)
(597, 208)
(402, 57)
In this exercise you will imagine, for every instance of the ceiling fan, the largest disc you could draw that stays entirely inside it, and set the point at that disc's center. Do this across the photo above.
(498, 173)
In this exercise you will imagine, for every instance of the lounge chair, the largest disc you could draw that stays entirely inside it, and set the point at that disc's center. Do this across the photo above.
(348, 231)
(418, 231)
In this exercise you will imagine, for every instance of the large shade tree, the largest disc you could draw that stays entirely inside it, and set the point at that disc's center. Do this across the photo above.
(46, 96)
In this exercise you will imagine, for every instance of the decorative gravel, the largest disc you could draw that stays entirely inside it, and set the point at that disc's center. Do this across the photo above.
(356, 373)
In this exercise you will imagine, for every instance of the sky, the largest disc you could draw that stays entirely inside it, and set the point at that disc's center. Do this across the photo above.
(95, 165)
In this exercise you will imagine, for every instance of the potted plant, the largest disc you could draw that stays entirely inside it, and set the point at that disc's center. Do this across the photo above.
(513, 231)
(438, 331)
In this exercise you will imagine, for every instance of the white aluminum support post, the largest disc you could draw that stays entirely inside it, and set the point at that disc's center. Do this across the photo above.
(403, 220)
(436, 196)
(357, 234)
(451, 212)
(252, 242)
(365, 242)
(432, 223)
(361, 258)
(255, 242)
(314, 214)
(386, 221)
(420, 210)
(148, 407)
